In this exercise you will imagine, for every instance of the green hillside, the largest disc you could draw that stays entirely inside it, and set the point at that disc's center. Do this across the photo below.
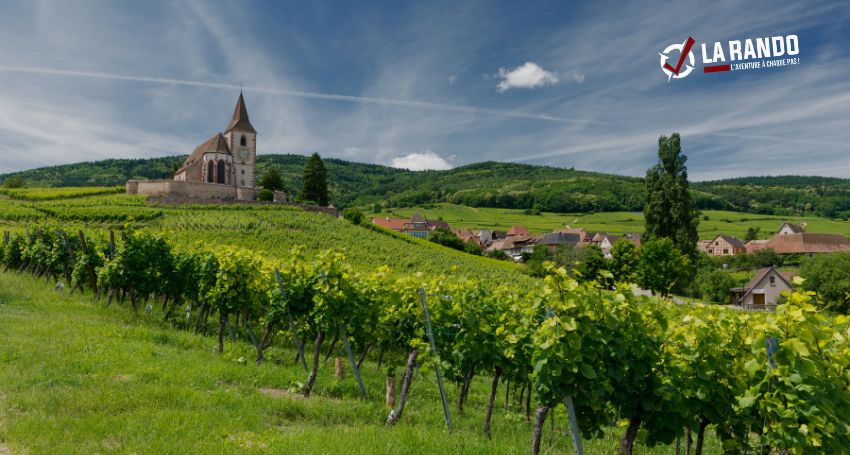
(489, 184)
(712, 222)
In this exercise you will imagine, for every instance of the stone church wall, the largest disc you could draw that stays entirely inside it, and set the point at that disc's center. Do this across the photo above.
(187, 190)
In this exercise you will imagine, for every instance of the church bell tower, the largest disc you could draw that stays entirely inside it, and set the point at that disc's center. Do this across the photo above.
(242, 139)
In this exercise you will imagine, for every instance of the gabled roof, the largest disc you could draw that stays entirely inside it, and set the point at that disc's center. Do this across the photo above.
(559, 238)
(215, 144)
(517, 230)
(735, 242)
(240, 120)
(793, 227)
(437, 224)
(805, 242)
(760, 275)
(396, 224)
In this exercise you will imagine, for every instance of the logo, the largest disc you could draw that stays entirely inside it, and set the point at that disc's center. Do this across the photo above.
(741, 55)
(684, 52)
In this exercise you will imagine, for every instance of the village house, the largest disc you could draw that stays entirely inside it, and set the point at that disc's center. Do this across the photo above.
(583, 236)
(417, 226)
(724, 245)
(465, 235)
(555, 240)
(515, 245)
(763, 290)
(223, 168)
(788, 228)
(517, 230)
(607, 241)
(754, 245)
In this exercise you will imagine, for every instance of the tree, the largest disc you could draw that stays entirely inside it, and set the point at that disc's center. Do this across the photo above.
(272, 181)
(446, 237)
(315, 181)
(829, 276)
(765, 257)
(592, 262)
(536, 260)
(713, 285)
(624, 260)
(662, 268)
(13, 182)
(670, 210)
(472, 248)
(752, 234)
(355, 216)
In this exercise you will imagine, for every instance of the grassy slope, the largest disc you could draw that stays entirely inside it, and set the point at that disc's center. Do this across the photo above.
(79, 378)
(732, 223)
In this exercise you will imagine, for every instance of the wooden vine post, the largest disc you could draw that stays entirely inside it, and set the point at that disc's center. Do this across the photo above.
(446, 411)
(353, 362)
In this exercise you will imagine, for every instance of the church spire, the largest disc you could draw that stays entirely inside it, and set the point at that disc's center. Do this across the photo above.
(240, 120)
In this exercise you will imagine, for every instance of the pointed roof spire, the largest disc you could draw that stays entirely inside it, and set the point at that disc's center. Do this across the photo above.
(240, 120)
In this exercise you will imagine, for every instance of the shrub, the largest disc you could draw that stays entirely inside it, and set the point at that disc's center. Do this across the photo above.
(355, 216)
(265, 195)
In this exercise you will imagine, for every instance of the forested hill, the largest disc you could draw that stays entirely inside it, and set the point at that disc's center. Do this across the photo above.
(488, 184)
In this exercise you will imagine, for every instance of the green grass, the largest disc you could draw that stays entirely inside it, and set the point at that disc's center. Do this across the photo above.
(76, 377)
(719, 222)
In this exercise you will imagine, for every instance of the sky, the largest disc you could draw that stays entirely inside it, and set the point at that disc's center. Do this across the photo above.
(424, 85)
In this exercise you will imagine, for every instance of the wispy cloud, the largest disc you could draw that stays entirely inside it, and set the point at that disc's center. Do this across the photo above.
(295, 93)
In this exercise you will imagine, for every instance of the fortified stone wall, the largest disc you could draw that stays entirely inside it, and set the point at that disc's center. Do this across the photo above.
(186, 190)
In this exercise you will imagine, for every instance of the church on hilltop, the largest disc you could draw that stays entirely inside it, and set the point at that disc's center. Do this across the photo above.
(223, 168)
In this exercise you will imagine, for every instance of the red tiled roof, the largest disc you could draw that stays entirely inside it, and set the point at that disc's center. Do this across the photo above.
(755, 245)
(805, 242)
(517, 230)
(396, 224)
(215, 144)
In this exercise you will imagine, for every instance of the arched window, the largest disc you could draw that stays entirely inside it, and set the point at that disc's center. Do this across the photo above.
(243, 142)
(220, 176)
(210, 171)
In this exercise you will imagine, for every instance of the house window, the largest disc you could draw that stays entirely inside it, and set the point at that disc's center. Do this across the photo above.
(773, 281)
(725, 251)
(243, 171)
(243, 142)
(210, 171)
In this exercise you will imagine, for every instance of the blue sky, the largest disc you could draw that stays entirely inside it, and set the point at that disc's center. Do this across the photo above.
(423, 84)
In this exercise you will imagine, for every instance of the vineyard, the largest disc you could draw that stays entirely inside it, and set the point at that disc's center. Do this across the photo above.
(617, 363)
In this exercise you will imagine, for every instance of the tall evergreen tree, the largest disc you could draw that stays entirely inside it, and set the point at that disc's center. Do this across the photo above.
(670, 210)
(315, 181)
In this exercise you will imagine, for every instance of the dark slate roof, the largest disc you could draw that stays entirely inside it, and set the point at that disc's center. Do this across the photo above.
(732, 241)
(240, 120)
(559, 238)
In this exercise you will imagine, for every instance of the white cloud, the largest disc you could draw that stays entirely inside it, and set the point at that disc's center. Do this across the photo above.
(426, 160)
(529, 75)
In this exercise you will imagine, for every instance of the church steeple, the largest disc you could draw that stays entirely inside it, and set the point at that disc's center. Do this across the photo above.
(240, 120)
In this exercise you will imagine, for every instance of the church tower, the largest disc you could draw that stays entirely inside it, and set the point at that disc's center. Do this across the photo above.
(241, 137)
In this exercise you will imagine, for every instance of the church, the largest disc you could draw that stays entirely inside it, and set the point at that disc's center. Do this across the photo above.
(223, 168)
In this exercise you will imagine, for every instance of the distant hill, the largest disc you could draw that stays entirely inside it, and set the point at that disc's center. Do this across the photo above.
(488, 184)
